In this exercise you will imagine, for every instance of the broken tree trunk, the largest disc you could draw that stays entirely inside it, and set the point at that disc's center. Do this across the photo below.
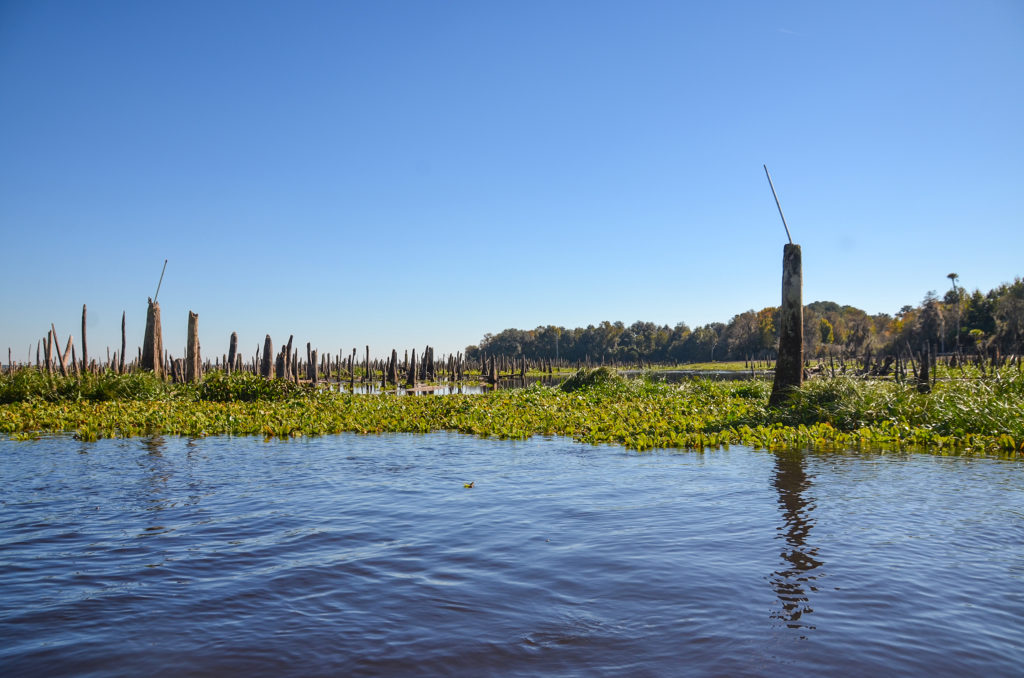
(267, 365)
(229, 367)
(120, 363)
(410, 379)
(48, 348)
(85, 344)
(193, 364)
(923, 385)
(153, 343)
(789, 368)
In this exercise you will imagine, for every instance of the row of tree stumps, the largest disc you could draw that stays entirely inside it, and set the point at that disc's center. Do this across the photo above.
(285, 364)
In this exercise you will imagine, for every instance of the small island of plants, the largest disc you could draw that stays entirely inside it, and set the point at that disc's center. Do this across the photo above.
(963, 414)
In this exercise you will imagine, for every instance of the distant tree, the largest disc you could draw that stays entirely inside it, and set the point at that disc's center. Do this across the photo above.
(930, 321)
(1010, 316)
(743, 336)
(825, 331)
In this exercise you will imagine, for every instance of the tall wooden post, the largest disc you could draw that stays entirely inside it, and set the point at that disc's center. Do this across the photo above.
(50, 339)
(789, 368)
(410, 377)
(153, 342)
(85, 344)
(193, 361)
(229, 366)
(267, 365)
(124, 341)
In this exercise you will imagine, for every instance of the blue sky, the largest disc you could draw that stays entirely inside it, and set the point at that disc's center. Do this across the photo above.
(407, 173)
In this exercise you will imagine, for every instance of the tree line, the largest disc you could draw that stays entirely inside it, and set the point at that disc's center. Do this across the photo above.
(958, 321)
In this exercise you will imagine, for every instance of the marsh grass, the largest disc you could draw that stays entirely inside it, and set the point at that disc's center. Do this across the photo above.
(969, 415)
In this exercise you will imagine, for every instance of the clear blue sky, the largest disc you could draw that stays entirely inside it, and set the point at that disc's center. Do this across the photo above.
(409, 173)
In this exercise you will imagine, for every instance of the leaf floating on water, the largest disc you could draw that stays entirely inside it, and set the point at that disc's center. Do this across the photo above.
(468, 485)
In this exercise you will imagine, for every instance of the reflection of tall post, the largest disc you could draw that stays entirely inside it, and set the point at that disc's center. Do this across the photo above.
(789, 368)
(792, 583)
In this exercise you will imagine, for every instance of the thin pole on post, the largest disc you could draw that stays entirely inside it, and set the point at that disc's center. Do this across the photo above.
(165, 268)
(789, 367)
(777, 204)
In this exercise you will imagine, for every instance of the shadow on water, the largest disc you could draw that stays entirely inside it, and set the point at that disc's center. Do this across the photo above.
(796, 579)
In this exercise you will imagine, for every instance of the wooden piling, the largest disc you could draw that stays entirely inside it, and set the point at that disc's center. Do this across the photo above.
(48, 348)
(410, 380)
(193, 361)
(267, 364)
(120, 363)
(85, 344)
(153, 343)
(923, 385)
(229, 366)
(789, 368)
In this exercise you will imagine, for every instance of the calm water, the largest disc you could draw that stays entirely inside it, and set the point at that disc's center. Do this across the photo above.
(353, 555)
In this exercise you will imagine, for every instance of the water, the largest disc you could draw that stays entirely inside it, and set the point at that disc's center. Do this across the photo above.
(366, 555)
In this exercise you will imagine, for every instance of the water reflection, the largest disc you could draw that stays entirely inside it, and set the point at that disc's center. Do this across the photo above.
(795, 581)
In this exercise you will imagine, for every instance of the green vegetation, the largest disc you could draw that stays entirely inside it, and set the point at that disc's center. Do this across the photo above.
(971, 322)
(975, 414)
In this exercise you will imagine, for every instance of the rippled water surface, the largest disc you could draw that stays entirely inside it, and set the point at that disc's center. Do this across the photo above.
(366, 555)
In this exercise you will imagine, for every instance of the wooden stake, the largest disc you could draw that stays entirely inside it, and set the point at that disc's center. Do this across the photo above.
(85, 345)
(193, 361)
(789, 368)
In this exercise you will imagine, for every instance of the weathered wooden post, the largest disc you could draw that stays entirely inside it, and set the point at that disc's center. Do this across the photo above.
(267, 364)
(48, 348)
(229, 365)
(314, 367)
(393, 368)
(789, 368)
(289, 366)
(923, 385)
(410, 379)
(120, 359)
(85, 344)
(152, 342)
(193, 365)
(281, 366)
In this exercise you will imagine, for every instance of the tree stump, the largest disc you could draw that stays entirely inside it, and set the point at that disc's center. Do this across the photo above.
(193, 361)
(153, 343)
(789, 368)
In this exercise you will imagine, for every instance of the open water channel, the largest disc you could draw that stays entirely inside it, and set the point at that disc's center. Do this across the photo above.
(366, 555)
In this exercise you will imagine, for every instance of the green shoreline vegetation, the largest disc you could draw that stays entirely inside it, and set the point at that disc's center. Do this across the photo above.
(968, 413)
